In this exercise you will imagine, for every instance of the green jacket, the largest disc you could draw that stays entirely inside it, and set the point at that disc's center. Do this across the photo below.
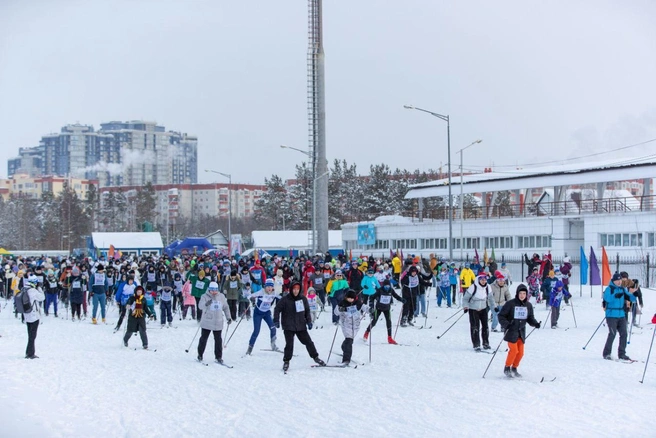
(232, 288)
(336, 285)
(198, 286)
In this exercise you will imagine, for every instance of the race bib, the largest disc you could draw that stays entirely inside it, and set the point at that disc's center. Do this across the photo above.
(233, 285)
(216, 306)
(318, 280)
(52, 284)
(300, 306)
(99, 279)
(200, 284)
(385, 299)
(77, 284)
(264, 306)
(352, 310)
(413, 281)
(166, 295)
(257, 275)
(151, 277)
(521, 312)
(326, 275)
(313, 303)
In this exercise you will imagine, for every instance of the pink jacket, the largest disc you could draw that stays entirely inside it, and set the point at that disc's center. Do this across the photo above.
(189, 299)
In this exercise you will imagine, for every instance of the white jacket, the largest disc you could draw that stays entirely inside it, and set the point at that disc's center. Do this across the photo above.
(36, 296)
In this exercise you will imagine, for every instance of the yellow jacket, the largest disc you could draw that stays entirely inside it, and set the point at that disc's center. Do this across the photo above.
(467, 277)
(396, 263)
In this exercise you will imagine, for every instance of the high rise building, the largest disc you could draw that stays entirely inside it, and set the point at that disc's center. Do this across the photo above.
(120, 153)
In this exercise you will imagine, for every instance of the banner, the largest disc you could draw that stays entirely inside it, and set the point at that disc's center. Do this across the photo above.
(605, 268)
(366, 234)
(584, 267)
(235, 245)
(595, 277)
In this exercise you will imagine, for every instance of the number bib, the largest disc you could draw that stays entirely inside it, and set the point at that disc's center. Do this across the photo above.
(151, 277)
(521, 312)
(326, 275)
(200, 284)
(318, 280)
(352, 310)
(257, 275)
(99, 279)
(265, 303)
(313, 303)
(233, 285)
(300, 306)
(413, 281)
(166, 295)
(77, 284)
(385, 299)
(216, 306)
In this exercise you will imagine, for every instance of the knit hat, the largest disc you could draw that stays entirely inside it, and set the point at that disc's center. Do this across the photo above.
(351, 294)
(499, 275)
(269, 282)
(338, 272)
(311, 290)
(559, 284)
(214, 286)
(616, 276)
(139, 288)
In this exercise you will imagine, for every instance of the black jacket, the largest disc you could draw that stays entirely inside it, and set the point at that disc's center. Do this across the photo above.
(355, 279)
(516, 328)
(293, 320)
(385, 295)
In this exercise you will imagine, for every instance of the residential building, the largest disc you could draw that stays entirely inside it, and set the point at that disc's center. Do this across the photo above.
(33, 187)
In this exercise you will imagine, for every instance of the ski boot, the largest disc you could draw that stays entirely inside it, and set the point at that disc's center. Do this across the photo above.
(319, 361)
(285, 366)
(94, 321)
(273, 344)
(170, 324)
(219, 361)
(514, 372)
(404, 322)
(486, 347)
(250, 350)
(199, 358)
(410, 322)
(506, 371)
(366, 335)
(391, 340)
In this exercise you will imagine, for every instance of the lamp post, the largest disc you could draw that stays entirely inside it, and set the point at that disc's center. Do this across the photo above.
(461, 202)
(448, 143)
(314, 198)
(227, 175)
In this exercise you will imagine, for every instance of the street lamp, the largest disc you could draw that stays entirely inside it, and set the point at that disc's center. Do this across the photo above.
(462, 216)
(448, 142)
(314, 197)
(227, 175)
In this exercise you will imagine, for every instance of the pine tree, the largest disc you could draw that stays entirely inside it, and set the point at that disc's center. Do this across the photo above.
(272, 209)
(146, 205)
(300, 198)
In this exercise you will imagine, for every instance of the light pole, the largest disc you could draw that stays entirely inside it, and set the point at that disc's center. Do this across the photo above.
(448, 145)
(314, 198)
(461, 201)
(227, 175)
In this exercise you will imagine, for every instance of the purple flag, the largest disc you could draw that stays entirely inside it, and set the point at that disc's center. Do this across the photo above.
(595, 275)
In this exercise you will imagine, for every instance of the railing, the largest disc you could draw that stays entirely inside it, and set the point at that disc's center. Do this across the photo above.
(560, 208)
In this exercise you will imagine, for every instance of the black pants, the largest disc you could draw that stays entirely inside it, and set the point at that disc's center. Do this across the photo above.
(305, 339)
(76, 308)
(32, 328)
(409, 306)
(347, 349)
(322, 297)
(388, 321)
(121, 315)
(218, 343)
(233, 309)
(199, 312)
(478, 321)
(453, 293)
(616, 325)
(137, 325)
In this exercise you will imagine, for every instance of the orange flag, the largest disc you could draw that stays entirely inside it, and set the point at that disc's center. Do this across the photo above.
(111, 251)
(605, 268)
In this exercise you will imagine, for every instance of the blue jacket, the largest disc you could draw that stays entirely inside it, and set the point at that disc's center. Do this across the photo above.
(119, 291)
(557, 297)
(445, 280)
(98, 283)
(453, 276)
(369, 285)
(614, 298)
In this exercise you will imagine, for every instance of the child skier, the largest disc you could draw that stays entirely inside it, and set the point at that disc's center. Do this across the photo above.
(513, 318)
(534, 284)
(214, 306)
(189, 302)
(383, 302)
(557, 295)
(232, 287)
(75, 282)
(264, 300)
(52, 291)
(369, 285)
(312, 301)
(123, 294)
(350, 311)
(444, 284)
(137, 308)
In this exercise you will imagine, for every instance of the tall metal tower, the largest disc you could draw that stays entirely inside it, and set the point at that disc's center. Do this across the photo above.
(317, 126)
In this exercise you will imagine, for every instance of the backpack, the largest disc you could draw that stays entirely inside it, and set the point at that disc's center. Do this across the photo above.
(22, 301)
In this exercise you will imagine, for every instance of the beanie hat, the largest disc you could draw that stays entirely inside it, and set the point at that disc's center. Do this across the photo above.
(214, 286)
(139, 288)
(616, 277)
(311, 290)
(499, 275)
(559, 284)
(269, 282)
(351, 294)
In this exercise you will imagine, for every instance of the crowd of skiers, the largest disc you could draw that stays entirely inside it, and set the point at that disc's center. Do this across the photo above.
(215, 290)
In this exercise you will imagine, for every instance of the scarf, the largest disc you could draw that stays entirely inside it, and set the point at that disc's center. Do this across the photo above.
(138, 311)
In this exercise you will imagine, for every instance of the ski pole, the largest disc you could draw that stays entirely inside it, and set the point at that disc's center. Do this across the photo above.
(192, 341)
(453, 315)
(398, 322)
(595, 332)
(454, 323)
(371, 322)
(495, 353)
(547, 318)
(648, 354)
(427, 307)
(238, 322)
(529, 333)
(573, 314)
(333, 343)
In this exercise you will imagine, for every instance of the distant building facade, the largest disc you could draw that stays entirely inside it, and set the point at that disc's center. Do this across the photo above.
(33, 187)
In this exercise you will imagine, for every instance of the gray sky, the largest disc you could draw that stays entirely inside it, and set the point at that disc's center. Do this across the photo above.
(535, 80)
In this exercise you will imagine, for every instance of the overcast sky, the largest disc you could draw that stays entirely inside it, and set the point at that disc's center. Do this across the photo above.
(535, 80)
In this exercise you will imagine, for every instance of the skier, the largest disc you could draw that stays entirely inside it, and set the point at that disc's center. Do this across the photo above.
(32, 316)
(547, 286)
(215, 306)
(501, 295)
(189, 301)
(99, 293)
(336, 289)
(312, 301)
(137, 308)
(467, 278)
(232, 287)
(383, 302)
(199, 285)
(616, 300)
(534, 284)
(75, 282)
(296, 320)
(123, 294)
(52, 291)
(410, 290)
(513, 318)
(369, 284)
(477, 299)
(557, 295)
(566, 271)
(264, 300)
(444, 287)
(636, 309)
(351, 311)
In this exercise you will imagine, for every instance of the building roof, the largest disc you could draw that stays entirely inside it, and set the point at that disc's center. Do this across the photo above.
(535, 177)
(292, 239)
(127, 241)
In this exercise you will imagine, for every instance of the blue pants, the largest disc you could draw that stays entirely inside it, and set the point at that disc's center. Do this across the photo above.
(495, 319)
(99, 298)
(445, 292)
(257, 322)
(165, 308)
(337, 297)
(51, 298)
(420, 302)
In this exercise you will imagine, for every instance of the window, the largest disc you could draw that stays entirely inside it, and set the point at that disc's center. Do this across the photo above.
(650, 239)
(533, 242)
(434, 244)
(499, 242)
(625, 239)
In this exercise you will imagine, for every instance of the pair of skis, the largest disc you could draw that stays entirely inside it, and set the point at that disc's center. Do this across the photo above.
(216, 362)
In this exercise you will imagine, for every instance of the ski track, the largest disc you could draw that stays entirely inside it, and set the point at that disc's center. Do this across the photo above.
(87, 384)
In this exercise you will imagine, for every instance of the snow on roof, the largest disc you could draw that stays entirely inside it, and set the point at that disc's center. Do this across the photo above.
(295, 239)
(124, 241)
(546, 176)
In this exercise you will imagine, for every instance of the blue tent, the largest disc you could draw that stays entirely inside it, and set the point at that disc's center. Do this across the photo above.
(190, 245)
(170, 250)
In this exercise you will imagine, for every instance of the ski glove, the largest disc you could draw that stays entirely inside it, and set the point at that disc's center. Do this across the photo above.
(277, 324)
(342, 309)
(465, 310)
(496, 309)
(403, 300)
(229, 321)
(309, 326)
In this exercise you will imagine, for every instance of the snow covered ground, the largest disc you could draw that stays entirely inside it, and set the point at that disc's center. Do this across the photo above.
(87, 384)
